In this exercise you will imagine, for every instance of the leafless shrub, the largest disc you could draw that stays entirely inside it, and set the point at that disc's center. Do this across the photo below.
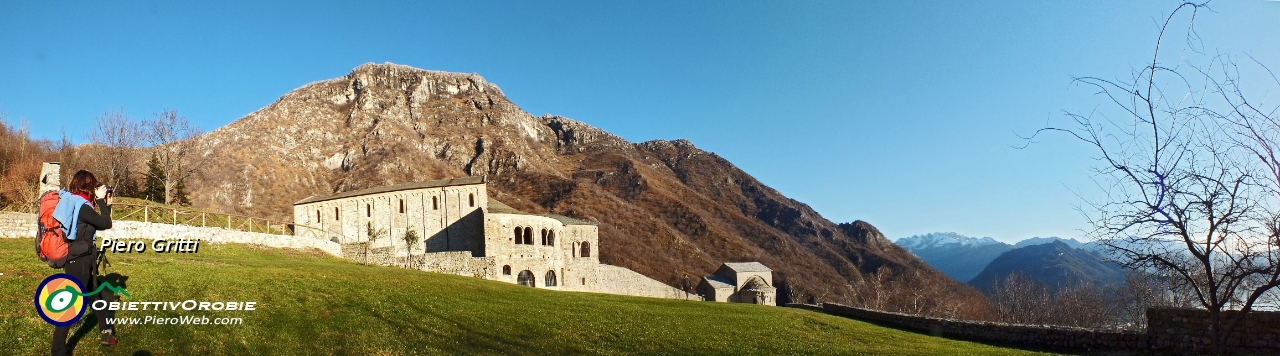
(20, 164)
(114, 151)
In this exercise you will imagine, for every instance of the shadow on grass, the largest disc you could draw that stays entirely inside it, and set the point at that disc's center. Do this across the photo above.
(90, 322)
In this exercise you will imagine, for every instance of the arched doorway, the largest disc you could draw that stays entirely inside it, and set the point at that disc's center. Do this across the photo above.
(550, 281)
(525, 279)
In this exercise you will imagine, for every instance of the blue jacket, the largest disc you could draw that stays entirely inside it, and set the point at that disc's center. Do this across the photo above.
(67, 211)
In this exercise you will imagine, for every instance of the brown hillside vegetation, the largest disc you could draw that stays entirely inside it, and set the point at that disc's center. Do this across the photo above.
(665, 208)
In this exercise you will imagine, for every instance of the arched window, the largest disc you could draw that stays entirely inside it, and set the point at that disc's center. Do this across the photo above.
(528, 235)
(586, 249)
(526, 279)
(435, 205)
(335, 213)
(519, 239)
(472, 198)
(506, 270)
(544, 237)
(368, 210)
(551, 238)
(402, 206)
(550, 280)
(574, 250)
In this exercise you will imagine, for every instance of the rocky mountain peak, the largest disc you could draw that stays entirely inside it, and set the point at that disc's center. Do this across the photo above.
(937, 239)
(665, 209)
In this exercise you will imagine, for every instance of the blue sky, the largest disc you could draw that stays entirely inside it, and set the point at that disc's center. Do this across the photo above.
(902, 114)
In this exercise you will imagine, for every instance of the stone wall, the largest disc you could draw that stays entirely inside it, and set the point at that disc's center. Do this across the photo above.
(17, 225)
(454, 262)
(24, 225)
(1187, 331)
(1063, 339)
(1169, 331)
(618, 280)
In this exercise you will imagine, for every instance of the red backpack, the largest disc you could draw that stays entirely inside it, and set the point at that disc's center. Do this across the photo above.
(51, 241)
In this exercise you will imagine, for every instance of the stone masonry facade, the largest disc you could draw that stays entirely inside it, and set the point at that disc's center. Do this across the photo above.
(462, 231)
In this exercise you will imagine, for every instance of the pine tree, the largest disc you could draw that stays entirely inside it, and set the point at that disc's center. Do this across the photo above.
(153, 187)
(180, 194)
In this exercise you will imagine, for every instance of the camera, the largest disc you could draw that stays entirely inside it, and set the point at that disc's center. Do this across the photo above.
(110, 190)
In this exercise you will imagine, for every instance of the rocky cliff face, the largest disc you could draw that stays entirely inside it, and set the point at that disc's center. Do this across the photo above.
(665, 209)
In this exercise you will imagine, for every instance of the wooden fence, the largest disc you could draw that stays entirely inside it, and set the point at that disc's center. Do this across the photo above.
(193, 217)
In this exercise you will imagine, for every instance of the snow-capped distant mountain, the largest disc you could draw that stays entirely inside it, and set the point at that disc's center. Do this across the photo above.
(959, 257)
(943, 238)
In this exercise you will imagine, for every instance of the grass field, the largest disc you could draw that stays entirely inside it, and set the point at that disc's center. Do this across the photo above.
(313, 304)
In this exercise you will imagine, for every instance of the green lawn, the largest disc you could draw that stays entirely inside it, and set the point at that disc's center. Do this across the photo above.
(313, 304)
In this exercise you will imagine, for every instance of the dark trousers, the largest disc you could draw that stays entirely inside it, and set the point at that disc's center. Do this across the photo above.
(83, 269)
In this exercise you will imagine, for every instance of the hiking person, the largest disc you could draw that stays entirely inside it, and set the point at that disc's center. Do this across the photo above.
(76, 211)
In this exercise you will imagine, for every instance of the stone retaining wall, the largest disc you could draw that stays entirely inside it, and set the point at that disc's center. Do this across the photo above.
(618, 280)
(17, 225)
(1186, 331)
(24, 225)
(452, 262)
(1171, 331)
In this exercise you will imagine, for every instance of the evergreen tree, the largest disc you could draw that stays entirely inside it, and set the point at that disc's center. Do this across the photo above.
(180, 194)
(153, 187)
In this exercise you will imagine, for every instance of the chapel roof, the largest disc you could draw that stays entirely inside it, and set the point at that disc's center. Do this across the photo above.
(747, 267)
(718, 282)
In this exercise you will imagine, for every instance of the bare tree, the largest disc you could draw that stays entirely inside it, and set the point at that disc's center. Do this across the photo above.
(20, 158)
(171, 137)
(1020, 300)
(118, 137)
(1146, 290)
(1256, 129)
(1186, 195)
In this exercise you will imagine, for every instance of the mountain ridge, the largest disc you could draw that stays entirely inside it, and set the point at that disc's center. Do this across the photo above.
(959, 257)
(1054, 265)
(665, 208)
